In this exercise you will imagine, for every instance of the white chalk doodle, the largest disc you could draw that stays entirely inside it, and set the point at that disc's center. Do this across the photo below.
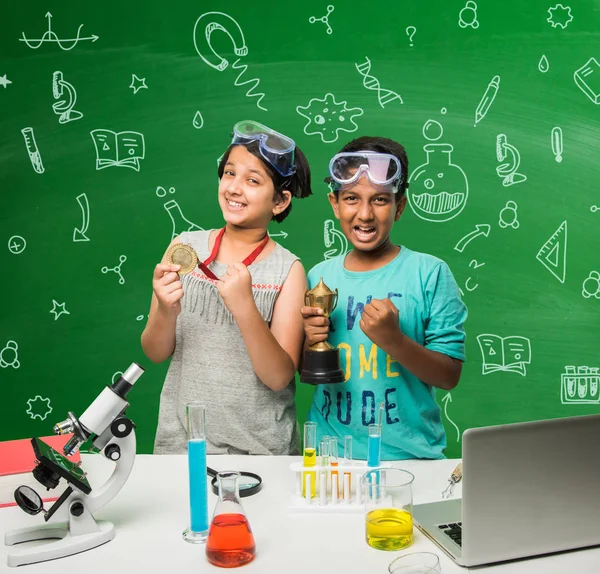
(79, 234)
(66, 95)
(372, 83)
(198, 120)
(50, 36)
(447, 398)
(487, 99)
(591, 285)
(140, 318)
(324, 19)
(509, 354)
(595, 208)
(4, 81)
(467, 17)
(543, 64)
(580, 385)
(335, 241)
(117, 269)
(556, 141)
(511, 157)
(17, 244)
(410, 32)
(587, 79)
(116, 376)
(38, 407)
(161, 191)
(470, 288)
(327, 118)
(475, 264)
(58, 309)
(9, 355)
(180, 223)
(439, 189)
(32, 149)
(137, 84)
(559, 16)
(205, 25)
(123, 149)
(481, 229)
(508, 216)
(553, 254)
(281, 234)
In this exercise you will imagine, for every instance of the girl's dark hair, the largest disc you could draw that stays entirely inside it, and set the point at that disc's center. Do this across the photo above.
(298, 184)
(382, 145)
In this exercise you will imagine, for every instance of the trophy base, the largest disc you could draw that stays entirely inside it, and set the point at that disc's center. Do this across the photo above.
(322, 368)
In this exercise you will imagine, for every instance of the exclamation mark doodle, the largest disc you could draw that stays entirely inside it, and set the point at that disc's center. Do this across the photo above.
(410, 32)
(557, 143)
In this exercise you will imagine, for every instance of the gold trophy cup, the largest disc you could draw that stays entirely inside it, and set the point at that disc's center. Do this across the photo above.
(321, 361)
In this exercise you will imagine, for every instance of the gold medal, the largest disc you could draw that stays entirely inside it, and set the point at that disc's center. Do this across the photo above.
(184, 255)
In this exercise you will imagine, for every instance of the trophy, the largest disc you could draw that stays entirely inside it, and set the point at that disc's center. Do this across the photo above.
(321, 361)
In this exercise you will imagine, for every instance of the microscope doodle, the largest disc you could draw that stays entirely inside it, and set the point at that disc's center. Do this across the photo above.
(70, 518)
(66, 95)
(508, 216)
(324, 19)
(326, 118)
(9, 356)
(553, 254)
(58, 309)
(335, 241)
(372, 83)
(508, 170)
(117, 269)
(203, 29)
(50, 36)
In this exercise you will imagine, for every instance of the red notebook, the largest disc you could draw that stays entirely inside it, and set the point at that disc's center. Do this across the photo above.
(17, 460)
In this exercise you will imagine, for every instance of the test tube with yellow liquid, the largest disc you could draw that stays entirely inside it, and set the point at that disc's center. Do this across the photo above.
(310, 459)
(388, 508)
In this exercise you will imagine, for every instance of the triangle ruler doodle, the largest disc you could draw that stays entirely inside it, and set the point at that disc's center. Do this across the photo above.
(553, 254)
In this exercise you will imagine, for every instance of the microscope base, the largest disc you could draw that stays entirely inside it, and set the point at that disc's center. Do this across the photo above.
(66, 546)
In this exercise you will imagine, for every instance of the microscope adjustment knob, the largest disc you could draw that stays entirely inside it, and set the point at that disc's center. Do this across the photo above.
(121, 427)
(112, 452)
(77, 509)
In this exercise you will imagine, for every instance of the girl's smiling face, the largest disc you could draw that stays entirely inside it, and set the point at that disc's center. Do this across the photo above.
(246, 192)
(367, 214)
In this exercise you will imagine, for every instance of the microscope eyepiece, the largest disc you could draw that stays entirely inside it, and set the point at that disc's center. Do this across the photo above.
(124, 383)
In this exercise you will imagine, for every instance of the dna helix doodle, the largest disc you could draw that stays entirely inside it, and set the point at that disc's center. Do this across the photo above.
(372, 83)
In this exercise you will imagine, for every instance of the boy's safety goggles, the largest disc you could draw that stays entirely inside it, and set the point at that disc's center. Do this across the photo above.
(275, 148)
(382, 169)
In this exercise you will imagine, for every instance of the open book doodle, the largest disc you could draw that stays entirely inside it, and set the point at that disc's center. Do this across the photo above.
(509, 354)
(124, 149)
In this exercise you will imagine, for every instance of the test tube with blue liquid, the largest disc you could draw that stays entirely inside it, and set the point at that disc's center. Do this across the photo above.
(374, 448)
(196, 430)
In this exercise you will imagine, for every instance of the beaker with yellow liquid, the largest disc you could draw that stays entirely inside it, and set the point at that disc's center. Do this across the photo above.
(387, 493)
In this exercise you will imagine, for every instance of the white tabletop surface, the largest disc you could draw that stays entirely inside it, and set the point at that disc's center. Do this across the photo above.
(152, 510)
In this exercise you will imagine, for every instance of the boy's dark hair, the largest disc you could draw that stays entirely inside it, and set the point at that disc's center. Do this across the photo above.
(298, 184)
(382, 145)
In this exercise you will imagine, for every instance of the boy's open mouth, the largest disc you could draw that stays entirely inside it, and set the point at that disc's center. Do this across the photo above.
(364, 232)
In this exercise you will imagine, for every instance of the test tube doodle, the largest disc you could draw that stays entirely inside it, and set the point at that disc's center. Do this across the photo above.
(556, 139)
(33, 150)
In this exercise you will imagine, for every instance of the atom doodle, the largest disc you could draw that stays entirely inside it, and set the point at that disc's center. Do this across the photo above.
(591, 285)
(327, 118)
(9, 356)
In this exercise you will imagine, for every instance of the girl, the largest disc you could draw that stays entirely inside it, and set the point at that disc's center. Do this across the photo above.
(233, 326)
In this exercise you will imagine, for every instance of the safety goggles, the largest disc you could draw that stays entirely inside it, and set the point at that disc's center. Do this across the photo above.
(382, 169)
(276, 149)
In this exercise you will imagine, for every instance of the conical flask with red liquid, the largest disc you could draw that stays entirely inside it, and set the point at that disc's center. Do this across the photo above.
(230, 540)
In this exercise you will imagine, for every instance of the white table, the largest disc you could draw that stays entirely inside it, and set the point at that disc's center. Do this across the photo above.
(152, 510)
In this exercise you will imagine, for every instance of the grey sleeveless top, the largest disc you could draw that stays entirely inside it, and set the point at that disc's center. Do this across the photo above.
(210, 364)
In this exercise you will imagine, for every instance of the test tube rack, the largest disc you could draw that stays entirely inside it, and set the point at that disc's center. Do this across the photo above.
(341, 496)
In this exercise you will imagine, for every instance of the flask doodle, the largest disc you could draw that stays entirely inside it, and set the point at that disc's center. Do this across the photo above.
(438, 188)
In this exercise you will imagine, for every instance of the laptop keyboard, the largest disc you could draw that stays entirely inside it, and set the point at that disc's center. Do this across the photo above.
(453, 530)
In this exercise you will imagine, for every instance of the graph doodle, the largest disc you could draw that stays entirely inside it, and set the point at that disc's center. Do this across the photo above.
(50, 36)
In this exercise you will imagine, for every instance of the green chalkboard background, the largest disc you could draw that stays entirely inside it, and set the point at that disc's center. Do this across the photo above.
(522, 242)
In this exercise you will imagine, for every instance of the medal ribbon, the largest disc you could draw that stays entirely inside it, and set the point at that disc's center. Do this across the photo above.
(215, 250)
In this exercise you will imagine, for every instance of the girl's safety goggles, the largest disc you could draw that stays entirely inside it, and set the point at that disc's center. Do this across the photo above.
(275, 148)
(382, 169)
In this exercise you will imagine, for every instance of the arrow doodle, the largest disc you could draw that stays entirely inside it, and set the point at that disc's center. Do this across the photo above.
(79, 234)
(448, 399)
(50, 36)
(480, 229)
(282, 234)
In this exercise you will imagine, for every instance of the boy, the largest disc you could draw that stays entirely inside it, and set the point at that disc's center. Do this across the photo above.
(399, 319)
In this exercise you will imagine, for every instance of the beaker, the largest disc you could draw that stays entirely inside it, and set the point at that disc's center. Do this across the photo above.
(438, 189)
(196, 431)
(230, 540)
(387, 493)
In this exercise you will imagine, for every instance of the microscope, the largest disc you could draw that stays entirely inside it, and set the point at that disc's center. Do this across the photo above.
(70, 518)
(510, 155)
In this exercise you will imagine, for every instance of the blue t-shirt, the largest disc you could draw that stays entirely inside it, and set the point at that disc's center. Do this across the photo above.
(431, 313)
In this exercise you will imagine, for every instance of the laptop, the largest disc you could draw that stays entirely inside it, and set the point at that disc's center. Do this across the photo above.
(528, 489)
